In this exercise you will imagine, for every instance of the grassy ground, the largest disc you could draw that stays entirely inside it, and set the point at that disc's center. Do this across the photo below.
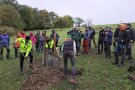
(99, 73)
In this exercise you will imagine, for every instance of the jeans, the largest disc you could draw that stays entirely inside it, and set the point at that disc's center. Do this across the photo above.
(71, 56)
(77, 46)
(122, 48)
(41, 46)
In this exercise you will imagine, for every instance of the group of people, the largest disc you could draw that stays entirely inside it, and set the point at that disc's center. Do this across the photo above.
(122, 40)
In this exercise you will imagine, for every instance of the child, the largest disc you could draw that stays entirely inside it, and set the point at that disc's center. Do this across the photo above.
(17, 44)
(41, 43)
(85, 46)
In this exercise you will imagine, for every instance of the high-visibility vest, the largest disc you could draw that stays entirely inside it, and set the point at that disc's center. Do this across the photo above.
(50, 44)
(25, 48)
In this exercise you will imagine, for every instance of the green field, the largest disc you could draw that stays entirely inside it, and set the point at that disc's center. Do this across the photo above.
(98, 74)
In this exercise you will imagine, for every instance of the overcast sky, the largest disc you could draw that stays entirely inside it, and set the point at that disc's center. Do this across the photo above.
(101, 11)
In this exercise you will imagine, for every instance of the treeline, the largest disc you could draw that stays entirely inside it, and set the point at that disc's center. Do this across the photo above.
(13, 14)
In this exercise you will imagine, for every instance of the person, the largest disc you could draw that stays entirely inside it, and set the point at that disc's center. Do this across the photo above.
(25, 51)
(49, 44)
(5, 44)
(76, 36)
(90, 31)
(85, 46)
(69, 51)
(57, 37)
(17, 44)
(41, 43)
(22, 34)
(108, 42)
(33, 39)
(101, 40)
(49, 50)
(37, 40)
(71, 31)
(131, 42)
(123, 39)
(92, 37)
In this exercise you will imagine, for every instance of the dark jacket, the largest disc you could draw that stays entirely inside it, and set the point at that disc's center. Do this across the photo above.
(116, 33)
(108, 37)
(123, 37)
(101, 36)
(71, 32)
(57, 36)
(132, 34)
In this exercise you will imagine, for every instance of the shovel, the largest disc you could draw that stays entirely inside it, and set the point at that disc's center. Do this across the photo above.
(30, 65)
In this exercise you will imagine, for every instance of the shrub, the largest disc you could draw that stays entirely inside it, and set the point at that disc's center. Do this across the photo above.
(10, 30)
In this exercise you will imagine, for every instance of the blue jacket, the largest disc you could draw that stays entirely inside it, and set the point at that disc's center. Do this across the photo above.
(0, 40)
(5, 41)
(108, 38)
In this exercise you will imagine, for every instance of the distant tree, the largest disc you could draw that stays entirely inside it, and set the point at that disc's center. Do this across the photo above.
(13, 3)
(78, 21)
(68, 21)
(44, 19)
(9, 16)
(53, 17)
(28, 16)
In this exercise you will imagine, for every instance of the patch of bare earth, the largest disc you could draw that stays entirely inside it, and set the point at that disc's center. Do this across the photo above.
(42, 78)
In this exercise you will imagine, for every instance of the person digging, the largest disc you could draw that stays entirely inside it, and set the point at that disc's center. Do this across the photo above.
(25, 51)
(69, 51)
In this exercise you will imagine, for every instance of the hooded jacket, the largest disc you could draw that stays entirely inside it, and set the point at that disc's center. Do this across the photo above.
(32, 38)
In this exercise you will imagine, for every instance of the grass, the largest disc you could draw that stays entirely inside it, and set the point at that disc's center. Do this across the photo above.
(98, 74)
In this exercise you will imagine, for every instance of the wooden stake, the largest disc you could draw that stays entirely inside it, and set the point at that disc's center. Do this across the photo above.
(44, 54)
(54, 42)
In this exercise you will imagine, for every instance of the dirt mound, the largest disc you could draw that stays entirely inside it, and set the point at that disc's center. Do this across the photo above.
(42, 78)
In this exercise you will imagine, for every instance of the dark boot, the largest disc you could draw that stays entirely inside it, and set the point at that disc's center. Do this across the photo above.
(21, 71)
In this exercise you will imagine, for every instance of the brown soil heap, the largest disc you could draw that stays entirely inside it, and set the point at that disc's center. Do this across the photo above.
(42, 78)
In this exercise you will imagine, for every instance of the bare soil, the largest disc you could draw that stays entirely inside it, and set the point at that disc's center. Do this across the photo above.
(42, 78)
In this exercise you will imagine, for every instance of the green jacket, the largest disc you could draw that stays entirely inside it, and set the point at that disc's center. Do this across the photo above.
(76, 36)
(25, 48)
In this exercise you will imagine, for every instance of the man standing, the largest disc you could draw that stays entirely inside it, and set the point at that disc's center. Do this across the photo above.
(123, 39)
(25, 51)
(76, 36)
(101, 41)
(90, 34)
(116, 35)
(132, 38)
(5, 40)
(69, 51)
(108, 42)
